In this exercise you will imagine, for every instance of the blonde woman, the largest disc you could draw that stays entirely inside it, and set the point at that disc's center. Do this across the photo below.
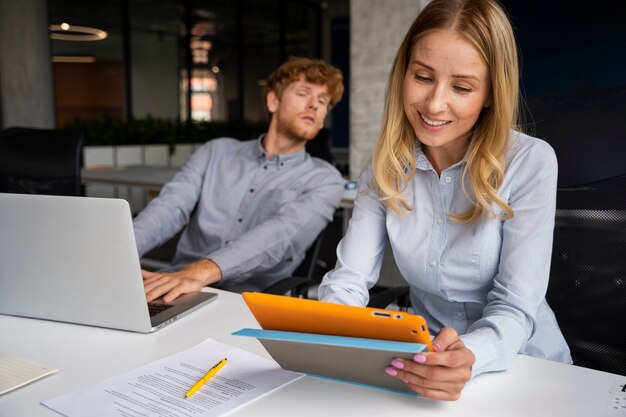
(466, 201)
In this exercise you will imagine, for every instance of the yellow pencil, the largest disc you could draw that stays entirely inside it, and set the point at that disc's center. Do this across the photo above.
(205, 378)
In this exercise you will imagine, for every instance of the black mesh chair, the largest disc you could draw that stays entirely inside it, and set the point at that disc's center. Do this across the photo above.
(306, 275)
(587, 288)
(40, 161)
(383, 298)
(319, 147)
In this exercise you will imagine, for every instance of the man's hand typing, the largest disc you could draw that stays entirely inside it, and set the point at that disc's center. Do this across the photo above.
(170, 285)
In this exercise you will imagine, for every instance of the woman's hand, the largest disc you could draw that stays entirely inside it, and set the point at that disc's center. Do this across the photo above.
(440, 375)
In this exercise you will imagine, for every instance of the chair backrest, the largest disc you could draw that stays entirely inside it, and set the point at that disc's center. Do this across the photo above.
(40, 161)
(308, 266)
(569, 120)
(386, 297)
(587, 288)
(305, 274)
(319, 147)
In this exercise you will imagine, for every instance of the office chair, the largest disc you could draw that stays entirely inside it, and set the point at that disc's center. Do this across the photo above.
(383, 298)
(40, 161)
(305, 275)
(319, 147)
(587, 288)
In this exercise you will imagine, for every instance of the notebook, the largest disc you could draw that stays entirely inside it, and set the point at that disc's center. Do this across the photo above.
(17, 371)
(74, 259)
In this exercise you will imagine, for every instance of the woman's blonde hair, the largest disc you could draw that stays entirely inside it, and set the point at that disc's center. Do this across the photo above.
(486, 26)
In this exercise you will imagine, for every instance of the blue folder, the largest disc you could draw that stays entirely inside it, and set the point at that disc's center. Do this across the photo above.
(347, 359)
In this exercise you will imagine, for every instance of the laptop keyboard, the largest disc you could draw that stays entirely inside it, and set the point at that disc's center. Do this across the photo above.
(156, 308)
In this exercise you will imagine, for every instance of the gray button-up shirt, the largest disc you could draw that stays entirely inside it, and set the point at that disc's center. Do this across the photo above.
(252, 216)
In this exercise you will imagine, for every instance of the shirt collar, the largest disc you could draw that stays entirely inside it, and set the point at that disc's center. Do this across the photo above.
(280, 160)
(422, 162)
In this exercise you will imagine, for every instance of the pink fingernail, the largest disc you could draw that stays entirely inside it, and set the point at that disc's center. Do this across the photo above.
(419, 358)
(398, 364)
(437, 346)
(391, 371)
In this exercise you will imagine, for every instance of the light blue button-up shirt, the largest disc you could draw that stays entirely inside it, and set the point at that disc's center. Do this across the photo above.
(486, 280)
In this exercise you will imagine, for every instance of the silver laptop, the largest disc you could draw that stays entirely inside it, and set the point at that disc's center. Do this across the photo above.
(74, 259)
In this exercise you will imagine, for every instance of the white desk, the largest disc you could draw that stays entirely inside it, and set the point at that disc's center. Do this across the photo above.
(83, 355)
(151, 177)
(137, 184)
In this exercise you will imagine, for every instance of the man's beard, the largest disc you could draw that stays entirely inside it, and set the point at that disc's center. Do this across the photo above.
(295, 130)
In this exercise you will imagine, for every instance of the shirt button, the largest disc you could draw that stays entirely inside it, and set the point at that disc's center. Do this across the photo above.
(239, 220)
(459, 316)
(251, 190)
(439, 221)
(265, 167)
(433, 263)
(448, 179)
(226, 243)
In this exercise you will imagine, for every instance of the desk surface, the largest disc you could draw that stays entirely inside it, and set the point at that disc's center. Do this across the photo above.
(154, 178)
(131, 175)
(84, 355)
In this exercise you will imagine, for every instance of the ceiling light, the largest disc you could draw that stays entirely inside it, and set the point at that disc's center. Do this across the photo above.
(67, 32)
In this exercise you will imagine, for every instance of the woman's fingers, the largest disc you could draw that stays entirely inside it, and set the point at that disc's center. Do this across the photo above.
(439, 375)
(446, 337)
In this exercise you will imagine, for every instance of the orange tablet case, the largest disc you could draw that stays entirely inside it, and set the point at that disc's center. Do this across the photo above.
(277, 312)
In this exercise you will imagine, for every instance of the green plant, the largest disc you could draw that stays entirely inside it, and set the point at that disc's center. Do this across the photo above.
(108, 131)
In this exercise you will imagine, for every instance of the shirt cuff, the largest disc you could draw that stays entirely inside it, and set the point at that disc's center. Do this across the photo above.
(485, 352)
(226, 260)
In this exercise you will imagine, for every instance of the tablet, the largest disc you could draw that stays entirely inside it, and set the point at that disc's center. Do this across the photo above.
(278, 312)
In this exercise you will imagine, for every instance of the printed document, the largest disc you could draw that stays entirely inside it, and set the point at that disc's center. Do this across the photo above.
(158, 389)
